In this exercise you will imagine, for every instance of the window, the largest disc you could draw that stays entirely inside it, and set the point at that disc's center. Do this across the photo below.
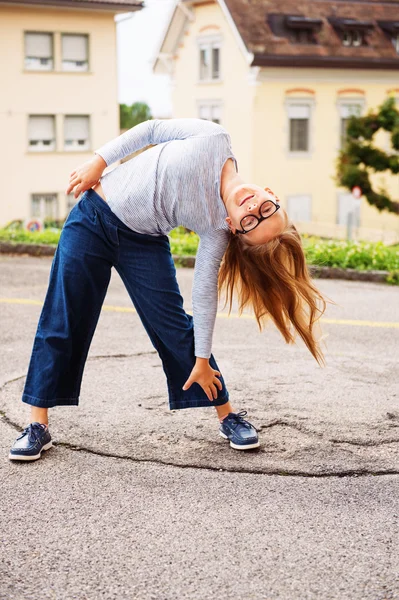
(302, 36)
(70, 202)
(395, 42)
(44, 206)
(299, 208)
(348, 210)
(75, 52)
(209, 59)
(76, 133)
(39, 51)
(299, 118)
(41, 131)
(346, 110)
(352, 37)
(210, 111)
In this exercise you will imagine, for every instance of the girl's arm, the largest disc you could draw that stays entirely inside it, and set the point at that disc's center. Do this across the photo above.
(145, 134)
(205, 289)
(205, 301)
(153, 132)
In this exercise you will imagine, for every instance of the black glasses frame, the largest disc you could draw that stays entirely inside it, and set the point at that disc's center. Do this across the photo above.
(259, 219)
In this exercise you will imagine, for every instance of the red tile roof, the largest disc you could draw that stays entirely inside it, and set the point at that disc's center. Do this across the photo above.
(117, 5)
(252, 18)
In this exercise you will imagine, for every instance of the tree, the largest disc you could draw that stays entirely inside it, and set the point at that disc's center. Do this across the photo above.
(129, 116)
(359, 158)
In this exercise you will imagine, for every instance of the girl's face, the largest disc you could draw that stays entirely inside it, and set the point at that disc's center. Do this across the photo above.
(246, 199)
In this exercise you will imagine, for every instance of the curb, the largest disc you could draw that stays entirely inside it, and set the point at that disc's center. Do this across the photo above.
(189, 261)
(30, 249)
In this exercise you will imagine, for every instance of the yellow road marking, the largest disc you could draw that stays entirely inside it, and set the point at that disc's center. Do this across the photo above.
(129, 309)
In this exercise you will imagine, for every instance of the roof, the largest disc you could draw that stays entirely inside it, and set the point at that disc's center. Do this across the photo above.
(272, 47)
(111, 5)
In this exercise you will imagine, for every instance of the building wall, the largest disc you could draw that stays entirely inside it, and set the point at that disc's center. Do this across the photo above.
(233, 90)
(24, 92)
(255, 114)
(314, 173)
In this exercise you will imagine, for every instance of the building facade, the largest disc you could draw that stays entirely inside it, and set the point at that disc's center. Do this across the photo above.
(58, 98)
(283, 80)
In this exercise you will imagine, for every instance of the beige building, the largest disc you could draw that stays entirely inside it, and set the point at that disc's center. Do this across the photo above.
(58, 98)
(283, 79)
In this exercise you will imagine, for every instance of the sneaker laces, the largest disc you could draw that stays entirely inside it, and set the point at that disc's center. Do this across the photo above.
(32, 430)
(239, 418)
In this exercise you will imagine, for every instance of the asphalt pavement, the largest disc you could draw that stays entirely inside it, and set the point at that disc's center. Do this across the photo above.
(137, 501)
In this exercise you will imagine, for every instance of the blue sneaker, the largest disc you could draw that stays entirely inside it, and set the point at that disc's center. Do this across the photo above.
(30, 443)
(242, 435)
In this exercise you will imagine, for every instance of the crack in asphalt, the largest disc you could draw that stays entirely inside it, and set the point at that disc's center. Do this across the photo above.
(284, 423)
(366, 443)
(251, 471)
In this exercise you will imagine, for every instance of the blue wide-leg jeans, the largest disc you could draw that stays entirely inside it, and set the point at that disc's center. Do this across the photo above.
(93, 241)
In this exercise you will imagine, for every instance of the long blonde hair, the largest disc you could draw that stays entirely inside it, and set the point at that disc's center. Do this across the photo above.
(273, 279)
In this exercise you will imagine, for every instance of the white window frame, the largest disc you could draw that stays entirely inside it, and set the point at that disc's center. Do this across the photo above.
(395, 41)
(352, 38)
(344, 111)
(310, 104)
(212, 106)
(43, 206)
(76, 65)
(74, 145)
(290, 204)
(209, 43)
(41, 146)
(37, 63)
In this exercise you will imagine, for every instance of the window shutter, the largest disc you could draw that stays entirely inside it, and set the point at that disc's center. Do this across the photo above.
(38, 45)
(41, 128)
(76, 128)
(299, 135)
(74, 47)
(298, 111)
(44, 206)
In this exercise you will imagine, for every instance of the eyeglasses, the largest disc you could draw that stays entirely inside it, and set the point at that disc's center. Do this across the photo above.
(250, 222)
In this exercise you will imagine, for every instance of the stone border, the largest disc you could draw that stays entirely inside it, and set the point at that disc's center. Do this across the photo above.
(189, 261)
(30, 249)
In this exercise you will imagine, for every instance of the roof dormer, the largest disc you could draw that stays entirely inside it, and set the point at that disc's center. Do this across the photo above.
(391, 29)
(353, 33)
(297, 28)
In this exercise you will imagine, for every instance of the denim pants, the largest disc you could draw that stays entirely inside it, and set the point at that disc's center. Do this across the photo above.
(93, 241)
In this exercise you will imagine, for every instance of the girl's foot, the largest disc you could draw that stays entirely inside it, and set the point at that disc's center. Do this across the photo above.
(30, 443)
(242, 435)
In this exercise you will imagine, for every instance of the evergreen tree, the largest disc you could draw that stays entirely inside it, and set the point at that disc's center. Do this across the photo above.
(359, 158)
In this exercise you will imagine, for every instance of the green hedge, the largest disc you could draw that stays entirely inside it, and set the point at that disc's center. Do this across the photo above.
(48, 236)
(362, 256)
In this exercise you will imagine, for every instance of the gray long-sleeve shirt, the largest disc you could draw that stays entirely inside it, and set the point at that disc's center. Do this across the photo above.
(176, 182)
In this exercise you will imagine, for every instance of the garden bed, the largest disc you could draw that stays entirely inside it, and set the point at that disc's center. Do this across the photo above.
(327, 258)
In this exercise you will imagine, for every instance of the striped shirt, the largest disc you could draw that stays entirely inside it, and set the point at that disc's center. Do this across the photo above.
(176, 182)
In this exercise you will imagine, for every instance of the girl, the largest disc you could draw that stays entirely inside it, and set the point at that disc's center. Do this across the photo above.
(188, 177)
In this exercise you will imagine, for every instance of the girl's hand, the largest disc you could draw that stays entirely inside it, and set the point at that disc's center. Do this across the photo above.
(207, 378)
(87, 175)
